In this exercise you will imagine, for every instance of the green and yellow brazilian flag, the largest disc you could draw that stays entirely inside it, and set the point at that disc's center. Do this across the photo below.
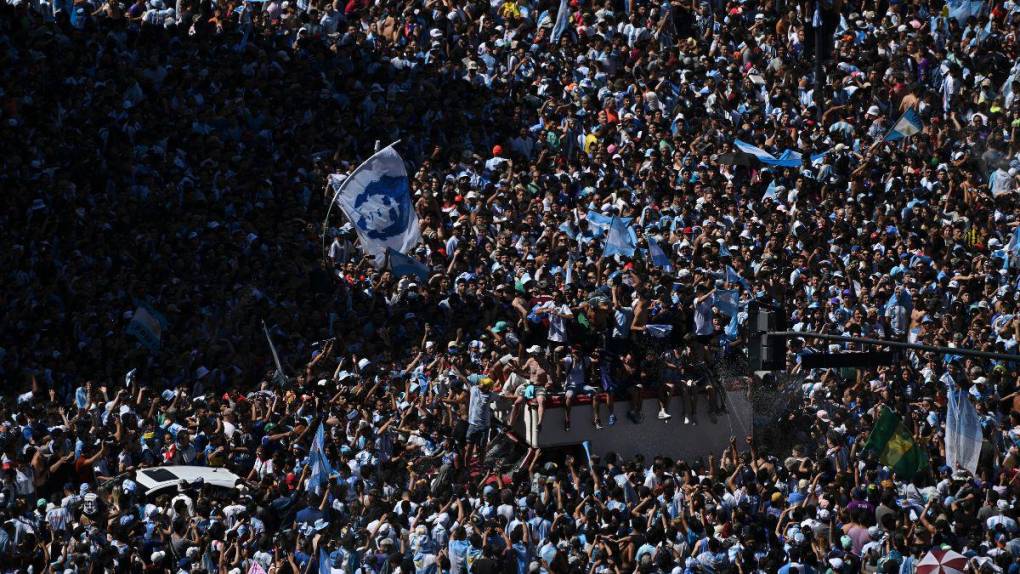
(895, 446)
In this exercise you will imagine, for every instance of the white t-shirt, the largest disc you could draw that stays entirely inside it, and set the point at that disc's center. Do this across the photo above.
(263, 467)
(557, 324)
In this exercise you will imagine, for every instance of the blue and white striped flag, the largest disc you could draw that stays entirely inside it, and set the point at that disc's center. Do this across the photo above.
(753, 150)
(658, 256)
(321, 469)
(377, 198)
(733, 277)
(567, 228)
(908, 124)
(619, 240)
(147, 325)
(963, 433)
(599, 223)
(962, 10)
(562, 19)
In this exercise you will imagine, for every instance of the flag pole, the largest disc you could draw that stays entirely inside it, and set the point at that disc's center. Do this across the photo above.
(332, 202)
(276, 358)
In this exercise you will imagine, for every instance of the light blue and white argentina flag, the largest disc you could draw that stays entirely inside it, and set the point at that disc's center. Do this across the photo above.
(562, 21)
(147, 325)
(909, 124)
(376, 197)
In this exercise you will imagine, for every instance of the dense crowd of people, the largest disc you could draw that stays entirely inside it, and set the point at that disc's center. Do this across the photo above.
(176, 157)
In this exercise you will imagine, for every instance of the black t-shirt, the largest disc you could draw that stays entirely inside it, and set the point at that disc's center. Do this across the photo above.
(485, 565)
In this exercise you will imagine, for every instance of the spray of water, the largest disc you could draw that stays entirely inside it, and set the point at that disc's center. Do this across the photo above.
(773, 398)
(734, 372)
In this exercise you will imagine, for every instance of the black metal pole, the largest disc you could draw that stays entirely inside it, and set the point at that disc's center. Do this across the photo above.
(897, 345)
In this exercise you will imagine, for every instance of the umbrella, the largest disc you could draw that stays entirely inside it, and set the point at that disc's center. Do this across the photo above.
(940, 561)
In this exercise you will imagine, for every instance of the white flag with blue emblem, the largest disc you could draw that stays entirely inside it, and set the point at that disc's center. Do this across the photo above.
(377, 199)
(908, 125)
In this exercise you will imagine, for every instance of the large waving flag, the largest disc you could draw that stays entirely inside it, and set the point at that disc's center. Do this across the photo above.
(401, 265)
(789, 158)
(619, 240)
(963, 433)
(895, 446)
(377, 199)
(909, 124)
(962, 10)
